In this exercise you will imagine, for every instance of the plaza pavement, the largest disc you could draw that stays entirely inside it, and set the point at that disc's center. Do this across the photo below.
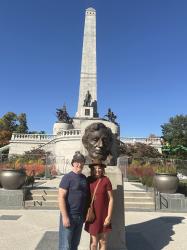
(38, 229)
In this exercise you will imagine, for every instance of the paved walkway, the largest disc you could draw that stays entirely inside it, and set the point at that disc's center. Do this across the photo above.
(53, 183)
(129, 186)
(156, 231)
(38, 230)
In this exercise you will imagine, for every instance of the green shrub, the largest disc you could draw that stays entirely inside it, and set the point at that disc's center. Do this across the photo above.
(166, 169)
(182, 188)
(147, 181)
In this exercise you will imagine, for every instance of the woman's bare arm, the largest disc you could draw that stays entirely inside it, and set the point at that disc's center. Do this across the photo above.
(110, 208)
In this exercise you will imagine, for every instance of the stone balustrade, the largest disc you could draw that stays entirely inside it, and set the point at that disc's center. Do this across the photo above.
(77, 132)
(132, 140)
(32, 137)
(70, 132)
(46, 137)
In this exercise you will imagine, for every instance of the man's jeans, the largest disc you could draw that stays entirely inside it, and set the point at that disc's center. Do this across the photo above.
(69, 238)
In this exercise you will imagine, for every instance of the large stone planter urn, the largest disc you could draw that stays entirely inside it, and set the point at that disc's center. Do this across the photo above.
(12, 178)
(166, 183)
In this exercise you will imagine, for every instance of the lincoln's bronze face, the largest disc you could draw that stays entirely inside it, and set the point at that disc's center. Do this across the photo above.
(98, 141)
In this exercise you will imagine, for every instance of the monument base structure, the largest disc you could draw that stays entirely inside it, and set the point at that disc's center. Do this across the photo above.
(117, 237)
(63, 143)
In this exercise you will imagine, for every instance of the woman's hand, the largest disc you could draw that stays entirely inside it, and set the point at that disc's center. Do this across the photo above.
(107, 221)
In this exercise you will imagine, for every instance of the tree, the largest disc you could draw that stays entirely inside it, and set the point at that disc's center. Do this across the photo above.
(10, 123)
(22, 127)
(32, 155)
(175, 131)
(139, 150)
(5, 136)
(152, 136)
(175, 136)
(13, 123)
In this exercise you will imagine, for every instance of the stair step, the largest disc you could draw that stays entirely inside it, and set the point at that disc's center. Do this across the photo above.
(43, 208)
(139, 209)
(44, 197)
(50, 204)
(139, 199)
(137, 194)
(33, 203)
(139, 205)
(44, 191)
(36, 203)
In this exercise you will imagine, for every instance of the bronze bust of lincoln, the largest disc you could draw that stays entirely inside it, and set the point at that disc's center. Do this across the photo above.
(98, 140)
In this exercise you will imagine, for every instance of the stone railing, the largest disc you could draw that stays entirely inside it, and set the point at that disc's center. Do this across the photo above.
(69, 133)
(32, 137)
(44, 137)
(132, 140)
(77, 133)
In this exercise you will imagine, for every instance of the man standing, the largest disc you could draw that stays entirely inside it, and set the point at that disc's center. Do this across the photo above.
(72, 199)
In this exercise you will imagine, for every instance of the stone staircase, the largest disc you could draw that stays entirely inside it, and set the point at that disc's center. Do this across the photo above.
(139, 201)
(135, 198)
(42, 198)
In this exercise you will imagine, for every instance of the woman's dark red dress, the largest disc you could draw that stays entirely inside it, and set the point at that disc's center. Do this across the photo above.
(100, 205)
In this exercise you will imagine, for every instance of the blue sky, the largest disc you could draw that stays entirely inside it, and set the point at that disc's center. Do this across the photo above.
(141, 60)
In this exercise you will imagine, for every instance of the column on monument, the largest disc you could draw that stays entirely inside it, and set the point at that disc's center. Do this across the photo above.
(88, 76)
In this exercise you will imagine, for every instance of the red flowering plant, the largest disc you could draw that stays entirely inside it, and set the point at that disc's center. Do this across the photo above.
(33, 162)
(34, 169)
(8, 163)
(142, 170)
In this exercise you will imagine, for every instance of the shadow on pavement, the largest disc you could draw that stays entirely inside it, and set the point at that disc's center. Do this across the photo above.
(49, 241)
(151, 235)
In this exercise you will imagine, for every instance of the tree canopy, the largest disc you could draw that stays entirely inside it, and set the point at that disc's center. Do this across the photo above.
(10, 123)
(175, 136)
(14, 123)
(139, 150)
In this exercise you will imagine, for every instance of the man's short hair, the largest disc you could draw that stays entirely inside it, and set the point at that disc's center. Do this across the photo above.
(78, 157)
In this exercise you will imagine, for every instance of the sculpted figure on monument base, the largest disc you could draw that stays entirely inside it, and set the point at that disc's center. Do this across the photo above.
(63, 116)
(87, 100)
(111, 116)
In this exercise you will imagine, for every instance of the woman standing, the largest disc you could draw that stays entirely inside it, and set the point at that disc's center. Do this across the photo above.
(103, 205)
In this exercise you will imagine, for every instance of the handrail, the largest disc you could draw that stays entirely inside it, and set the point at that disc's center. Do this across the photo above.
(41, 146)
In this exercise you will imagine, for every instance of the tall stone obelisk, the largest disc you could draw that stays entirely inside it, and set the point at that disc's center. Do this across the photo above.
(87, 103)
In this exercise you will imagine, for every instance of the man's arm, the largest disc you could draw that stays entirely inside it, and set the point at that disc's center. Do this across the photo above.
(62, 193)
